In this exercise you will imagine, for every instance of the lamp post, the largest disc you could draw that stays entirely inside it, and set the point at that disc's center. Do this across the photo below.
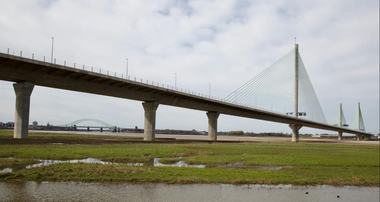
(126, 73)
(175, 81)
(209, 90)
(52, 48)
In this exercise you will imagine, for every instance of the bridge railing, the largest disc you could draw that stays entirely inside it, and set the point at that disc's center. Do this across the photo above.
(102, 71)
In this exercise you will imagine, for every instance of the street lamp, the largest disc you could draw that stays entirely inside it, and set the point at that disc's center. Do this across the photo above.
(175, 81)
(209, 90)
(52, 46)
(126, 75)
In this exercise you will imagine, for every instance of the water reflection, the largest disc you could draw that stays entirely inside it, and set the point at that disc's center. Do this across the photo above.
(51, 162)
(156, 163)
(6, 170)
(73, 191)
(241, 165)
(88, 160)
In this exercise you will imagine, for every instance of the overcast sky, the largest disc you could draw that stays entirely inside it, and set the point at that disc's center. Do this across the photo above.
(222, 43)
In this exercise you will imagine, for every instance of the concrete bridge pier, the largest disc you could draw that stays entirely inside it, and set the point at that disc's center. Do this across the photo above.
(212, 125)
(295, 132)
(358, 137)
(150, 120)
(23, 92)
(340, 135)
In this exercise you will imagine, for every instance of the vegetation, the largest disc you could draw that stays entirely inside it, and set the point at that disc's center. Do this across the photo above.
(302, 163)
(236, 133)
(9, 133)
(15, 163)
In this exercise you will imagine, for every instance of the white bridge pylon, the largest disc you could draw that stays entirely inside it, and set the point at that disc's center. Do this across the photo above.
(357, 125)
(275, 89)
(284, 88)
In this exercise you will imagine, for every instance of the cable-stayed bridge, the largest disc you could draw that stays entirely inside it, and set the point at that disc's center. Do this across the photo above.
(282, 93)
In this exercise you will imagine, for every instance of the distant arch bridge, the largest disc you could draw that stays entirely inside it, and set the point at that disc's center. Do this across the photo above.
(103, 123)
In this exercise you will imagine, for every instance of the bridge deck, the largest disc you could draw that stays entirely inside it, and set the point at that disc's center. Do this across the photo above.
(18, 69)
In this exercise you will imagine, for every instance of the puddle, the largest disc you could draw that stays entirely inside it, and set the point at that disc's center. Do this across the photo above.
(88, 160)
(60, 143)
(51, 162)
(156, 163)
(6, 170)
(241, 165)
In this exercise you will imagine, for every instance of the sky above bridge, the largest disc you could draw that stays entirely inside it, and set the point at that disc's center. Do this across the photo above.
(221, 44)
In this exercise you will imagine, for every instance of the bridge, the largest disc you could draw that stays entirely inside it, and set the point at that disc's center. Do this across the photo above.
(103, 123)
(29, 70)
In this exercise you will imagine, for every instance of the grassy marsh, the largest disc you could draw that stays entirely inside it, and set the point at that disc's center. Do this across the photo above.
(304, 163)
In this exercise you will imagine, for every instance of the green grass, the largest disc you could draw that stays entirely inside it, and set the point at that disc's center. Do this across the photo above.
(306, 163)
(14, 163)
(362, 176)
(300, 154)
(9, 133)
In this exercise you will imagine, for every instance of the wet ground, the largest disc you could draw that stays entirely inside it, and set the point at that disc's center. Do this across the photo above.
(73, 191)
(126, 138)
(155, 162)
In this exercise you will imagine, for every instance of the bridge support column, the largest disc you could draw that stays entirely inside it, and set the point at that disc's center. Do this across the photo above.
(23, 92)
(150, 120)
(340, 135)
(295, 132)
(358, 137)
(212, 125)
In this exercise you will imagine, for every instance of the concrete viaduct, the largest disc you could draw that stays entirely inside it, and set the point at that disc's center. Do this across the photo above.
(26, 73)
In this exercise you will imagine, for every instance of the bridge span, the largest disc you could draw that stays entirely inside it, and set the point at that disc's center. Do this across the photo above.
(26, 73)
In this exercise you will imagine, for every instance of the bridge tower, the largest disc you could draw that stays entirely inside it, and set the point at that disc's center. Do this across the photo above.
(295, 128)
(361, 126)
(296, 70)
(357, 135)
(340, 133)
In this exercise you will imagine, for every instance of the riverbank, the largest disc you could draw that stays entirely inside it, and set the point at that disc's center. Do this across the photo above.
(233, 163)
